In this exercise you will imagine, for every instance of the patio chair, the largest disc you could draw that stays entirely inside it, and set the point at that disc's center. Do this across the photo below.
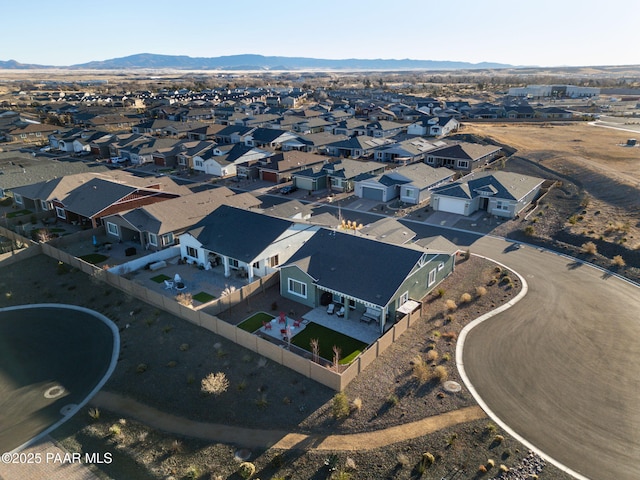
(340, 312)
(168, 284)
(331, 308)
(297, 323)
(266, 325)
(177, 278)
(282, 318)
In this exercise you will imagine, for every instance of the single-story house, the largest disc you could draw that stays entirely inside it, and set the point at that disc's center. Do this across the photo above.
(463, 156)
(504, 194)
(371, 279)
(159, 225)
(281, 166)
(356, 147)
(411, 183)
(342, 175)
(249, 242)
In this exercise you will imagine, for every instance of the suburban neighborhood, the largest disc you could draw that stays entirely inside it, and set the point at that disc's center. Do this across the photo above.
(297, 260)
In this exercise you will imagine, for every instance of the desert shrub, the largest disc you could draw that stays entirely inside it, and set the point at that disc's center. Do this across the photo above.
(446, 357)
(589, 247)
(440, 373)
(340, 405)
(393, 400)
(436, 333)
(215, 383)
(573, 219)
(246, 470)
(450, 305)
(115, 430)
(175, 446)
(419, 369)
(142, 367)
(192, 473)
(491, 462)
(440, 292)
(191, 378)
(618, 261)
(491, 427)
(529, 230)
(432, 355)
(402, 460)
(262, 401)
(505, 280)
(481, 291)
(449, 318)
(482, 469)
(450, 336)
(172, 363)
(498, 439)
(94, 413)
(504, 468)
(465, 298)
(493, 281)
(356, 404)
(185, 299)
(184, 347)
(467, 254)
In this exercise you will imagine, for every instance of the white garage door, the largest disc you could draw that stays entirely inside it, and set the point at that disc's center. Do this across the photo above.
(451, 205)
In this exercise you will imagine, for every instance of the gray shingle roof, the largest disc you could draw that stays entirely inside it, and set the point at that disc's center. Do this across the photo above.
(356, 266)
(237, 233)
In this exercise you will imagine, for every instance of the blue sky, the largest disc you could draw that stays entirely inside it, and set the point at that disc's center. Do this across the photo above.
(517, 32)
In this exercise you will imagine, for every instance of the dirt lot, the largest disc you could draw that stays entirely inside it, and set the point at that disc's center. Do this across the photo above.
(598, 195)
(177, 355)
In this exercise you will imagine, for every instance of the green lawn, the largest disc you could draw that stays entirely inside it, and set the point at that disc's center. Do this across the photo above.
(203, 297)
(254, 322)
(18, 213)
(160, 278)
(94, 258)
(350, 348)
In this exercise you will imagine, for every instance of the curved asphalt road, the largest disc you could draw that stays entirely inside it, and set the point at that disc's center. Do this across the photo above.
(561, 368)
(53, 358)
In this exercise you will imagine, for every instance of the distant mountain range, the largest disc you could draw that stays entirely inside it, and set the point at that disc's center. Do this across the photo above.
(258, 62)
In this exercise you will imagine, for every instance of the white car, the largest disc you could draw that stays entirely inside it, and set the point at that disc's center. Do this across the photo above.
(117, 160)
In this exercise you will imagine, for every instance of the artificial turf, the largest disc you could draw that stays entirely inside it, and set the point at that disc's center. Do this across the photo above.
(349, 347)
(254, 322)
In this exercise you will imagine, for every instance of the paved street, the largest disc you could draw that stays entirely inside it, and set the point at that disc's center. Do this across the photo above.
(51, 360)
(562, 367)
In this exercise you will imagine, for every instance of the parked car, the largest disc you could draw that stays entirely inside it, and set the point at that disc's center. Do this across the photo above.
(117, 160)
(288, 189)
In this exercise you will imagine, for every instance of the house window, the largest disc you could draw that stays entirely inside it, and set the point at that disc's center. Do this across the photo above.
(167, 239)
(432, 277)
(234, 263)
(199, 163)
(403, 299)
(408, 193)
(112, 228)
(44, 205)
(182, 161)
(256, 265)
(153, 239)
(60, 213)
(297, 288)
(192, 252)
(23, 135)
(502, 205)
(440, 266)
(463, 163)
(17, 198)
(274, 261)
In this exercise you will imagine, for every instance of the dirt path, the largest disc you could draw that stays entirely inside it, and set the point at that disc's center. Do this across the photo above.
(260, 438)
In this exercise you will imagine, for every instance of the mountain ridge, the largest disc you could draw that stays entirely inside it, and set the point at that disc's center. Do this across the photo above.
(258, 62)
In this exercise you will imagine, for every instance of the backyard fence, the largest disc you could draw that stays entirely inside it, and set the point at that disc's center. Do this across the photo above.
(205, 316)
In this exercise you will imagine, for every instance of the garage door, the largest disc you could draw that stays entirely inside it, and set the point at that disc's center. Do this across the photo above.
(372, 193)
(270, 176)
(451, 205)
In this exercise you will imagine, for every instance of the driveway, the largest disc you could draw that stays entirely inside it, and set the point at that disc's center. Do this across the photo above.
(52, 359)
(562, 367)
